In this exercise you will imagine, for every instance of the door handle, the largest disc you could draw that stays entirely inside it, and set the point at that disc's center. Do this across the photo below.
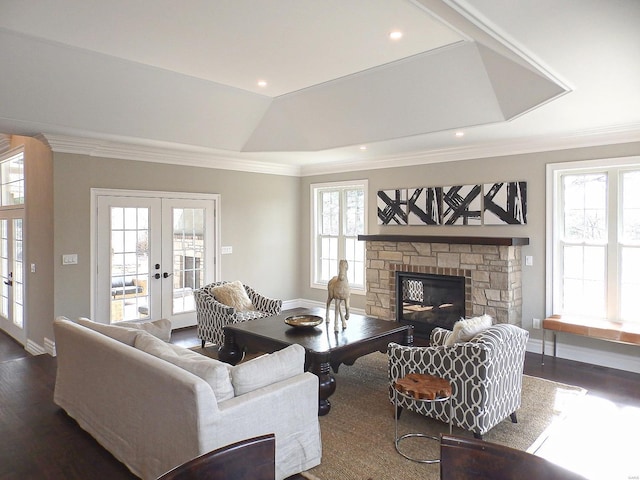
(156, 276)
(8, 282)
(167, 275)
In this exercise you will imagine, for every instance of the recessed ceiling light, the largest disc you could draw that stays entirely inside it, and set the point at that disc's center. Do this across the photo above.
(395, 35)
(262, 83)
(363, 147)
(459, 134)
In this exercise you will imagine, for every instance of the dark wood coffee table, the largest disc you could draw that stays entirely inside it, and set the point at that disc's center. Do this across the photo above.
(325, 349)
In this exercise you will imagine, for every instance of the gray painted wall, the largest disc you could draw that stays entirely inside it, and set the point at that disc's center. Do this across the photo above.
(530, 168)
(266, 218)
(259, 219)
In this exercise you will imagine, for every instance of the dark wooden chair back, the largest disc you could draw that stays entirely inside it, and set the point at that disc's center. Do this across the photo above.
(466, 458)
(252, 459)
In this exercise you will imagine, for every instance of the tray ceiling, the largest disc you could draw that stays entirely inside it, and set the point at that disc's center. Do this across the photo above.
(155, 75)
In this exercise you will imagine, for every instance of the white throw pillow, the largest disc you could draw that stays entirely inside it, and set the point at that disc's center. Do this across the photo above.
(234, 295)
(267, 369)
(214, 372)
(122, 334)
(158, 328)
(465, 329)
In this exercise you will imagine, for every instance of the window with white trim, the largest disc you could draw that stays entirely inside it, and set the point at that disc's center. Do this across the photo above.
(594, 223)
(339, 215)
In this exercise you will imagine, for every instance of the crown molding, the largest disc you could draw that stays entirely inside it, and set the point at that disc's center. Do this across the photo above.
(5, 143)
(168, 154)
(519, 146)
(191, 156)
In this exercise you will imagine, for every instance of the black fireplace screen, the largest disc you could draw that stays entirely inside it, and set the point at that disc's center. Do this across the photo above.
(427, 301)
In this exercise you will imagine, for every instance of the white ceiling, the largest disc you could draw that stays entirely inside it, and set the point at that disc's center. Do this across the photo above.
(177, 82)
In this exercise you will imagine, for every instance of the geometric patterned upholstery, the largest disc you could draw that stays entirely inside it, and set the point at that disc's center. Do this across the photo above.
(213, 315)
(485, 375)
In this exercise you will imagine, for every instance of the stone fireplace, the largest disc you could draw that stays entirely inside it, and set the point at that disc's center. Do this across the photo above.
(491, 268)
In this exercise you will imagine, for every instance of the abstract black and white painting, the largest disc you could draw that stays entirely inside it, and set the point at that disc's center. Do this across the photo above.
(505, 203)
(424, 206)
(392, 207)
(462, 205)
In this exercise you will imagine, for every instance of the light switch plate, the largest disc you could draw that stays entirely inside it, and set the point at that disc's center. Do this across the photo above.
(227, 250)
(70, 259)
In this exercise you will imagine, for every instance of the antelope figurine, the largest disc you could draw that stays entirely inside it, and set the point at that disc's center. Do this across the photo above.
(339, 292)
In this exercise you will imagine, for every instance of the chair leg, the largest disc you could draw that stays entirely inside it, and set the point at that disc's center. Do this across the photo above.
(203, 343)
(477, 436)
(514, 418)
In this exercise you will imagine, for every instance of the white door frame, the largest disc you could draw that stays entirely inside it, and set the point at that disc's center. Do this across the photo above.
(211, 276)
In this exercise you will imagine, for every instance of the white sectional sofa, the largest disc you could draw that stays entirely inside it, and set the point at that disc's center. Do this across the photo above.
(154, 405)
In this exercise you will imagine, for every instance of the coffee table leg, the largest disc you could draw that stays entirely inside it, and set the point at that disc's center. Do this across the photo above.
(322, 369)
(229, 352)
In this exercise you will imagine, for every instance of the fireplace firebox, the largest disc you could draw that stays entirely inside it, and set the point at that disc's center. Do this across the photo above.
(427, 301)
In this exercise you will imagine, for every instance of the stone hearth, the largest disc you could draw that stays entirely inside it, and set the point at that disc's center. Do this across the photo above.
(492, 268)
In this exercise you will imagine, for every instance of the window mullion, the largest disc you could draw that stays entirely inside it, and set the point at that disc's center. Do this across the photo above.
(614, 246)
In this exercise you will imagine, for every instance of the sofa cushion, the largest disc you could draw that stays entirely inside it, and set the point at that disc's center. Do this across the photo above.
(267, 369)
(234, 295)
(465, 329)
(122, 334)
(158, 328)
(214, 372)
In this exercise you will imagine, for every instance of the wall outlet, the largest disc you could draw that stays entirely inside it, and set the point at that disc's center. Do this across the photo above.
(536, 323)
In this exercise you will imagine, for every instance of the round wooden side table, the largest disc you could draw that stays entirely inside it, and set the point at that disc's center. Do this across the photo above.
(421, 387)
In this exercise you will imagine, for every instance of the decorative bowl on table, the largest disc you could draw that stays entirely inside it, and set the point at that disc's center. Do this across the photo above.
(303, 321)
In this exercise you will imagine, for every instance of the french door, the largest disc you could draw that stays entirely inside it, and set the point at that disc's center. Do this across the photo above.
(152, 252)
(12, 273)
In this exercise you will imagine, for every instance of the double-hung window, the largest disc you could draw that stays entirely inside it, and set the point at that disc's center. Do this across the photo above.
(339, 215)
(594, 221)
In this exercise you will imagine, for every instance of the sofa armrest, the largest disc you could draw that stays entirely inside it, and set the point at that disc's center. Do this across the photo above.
(439, 336)
(261, 303)
(288, 408)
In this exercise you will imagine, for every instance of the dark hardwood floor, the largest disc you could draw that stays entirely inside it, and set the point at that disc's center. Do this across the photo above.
(39, 441)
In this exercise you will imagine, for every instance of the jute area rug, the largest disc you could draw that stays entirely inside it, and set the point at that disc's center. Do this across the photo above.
(358, 432)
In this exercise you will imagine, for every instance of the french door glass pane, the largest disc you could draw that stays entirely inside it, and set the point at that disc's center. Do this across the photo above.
(585, 207)
(584, 286)
(129, 263)
(4, 259)
(188, 257)
(18, 274)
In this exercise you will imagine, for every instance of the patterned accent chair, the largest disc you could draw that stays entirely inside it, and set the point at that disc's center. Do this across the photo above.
(212, 315)
(485, 374)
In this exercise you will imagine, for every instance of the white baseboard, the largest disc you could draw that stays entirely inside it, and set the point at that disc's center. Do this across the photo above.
(33, 348)
(629, 363)
(304, 303)
(50, 346)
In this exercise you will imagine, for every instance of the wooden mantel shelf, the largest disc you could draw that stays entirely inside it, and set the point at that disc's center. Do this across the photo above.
(500, 241)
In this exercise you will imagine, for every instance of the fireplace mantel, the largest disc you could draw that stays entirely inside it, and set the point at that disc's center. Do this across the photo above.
(499, 241)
